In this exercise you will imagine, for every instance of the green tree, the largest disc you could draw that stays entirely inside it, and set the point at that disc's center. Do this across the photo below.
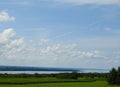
(118, 76)
(112, 76)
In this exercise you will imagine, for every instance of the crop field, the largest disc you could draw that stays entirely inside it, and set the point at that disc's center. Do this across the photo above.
(51, 82)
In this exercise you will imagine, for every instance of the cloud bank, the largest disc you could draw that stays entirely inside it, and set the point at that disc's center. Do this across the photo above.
(45, 53)
(12, 44)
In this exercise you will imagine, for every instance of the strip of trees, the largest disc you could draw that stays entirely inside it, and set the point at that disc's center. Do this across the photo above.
(73, 75)
(114, 76)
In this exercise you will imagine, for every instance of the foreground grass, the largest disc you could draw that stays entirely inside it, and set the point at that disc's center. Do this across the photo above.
(53, 82)
(40, 80)
(70, 84)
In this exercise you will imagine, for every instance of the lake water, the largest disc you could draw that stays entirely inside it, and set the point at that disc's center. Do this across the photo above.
(48, 72)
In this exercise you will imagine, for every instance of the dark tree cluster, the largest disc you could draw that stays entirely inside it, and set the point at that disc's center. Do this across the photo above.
(24, 75)
(93, 75)
(114, 77)
(73, 75)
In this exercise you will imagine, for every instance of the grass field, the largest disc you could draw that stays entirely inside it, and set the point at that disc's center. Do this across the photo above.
(51, 82)
(40, 80)
(72, 84)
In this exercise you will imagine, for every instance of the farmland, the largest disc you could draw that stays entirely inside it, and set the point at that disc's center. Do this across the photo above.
(77, 84)
(52, 82)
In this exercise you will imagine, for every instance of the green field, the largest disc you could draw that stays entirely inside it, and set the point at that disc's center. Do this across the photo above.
(52, 82)
(40, 80)
(71, 84)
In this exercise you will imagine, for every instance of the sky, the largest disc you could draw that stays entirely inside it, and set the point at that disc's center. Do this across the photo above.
(60, 33)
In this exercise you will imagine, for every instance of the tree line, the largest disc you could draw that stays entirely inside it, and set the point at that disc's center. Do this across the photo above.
(72, 75)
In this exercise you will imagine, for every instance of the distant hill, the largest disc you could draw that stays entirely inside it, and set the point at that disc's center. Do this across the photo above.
(24, 68)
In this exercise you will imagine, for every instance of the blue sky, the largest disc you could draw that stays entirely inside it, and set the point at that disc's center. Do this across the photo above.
(60, 33)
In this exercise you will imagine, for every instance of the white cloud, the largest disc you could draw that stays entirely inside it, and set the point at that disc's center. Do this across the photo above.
(43, 41)
(6, 35)
(98, 2)
(4, 17)
(16, 42)
(10, 46)
(68, 51)
(93, 54)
